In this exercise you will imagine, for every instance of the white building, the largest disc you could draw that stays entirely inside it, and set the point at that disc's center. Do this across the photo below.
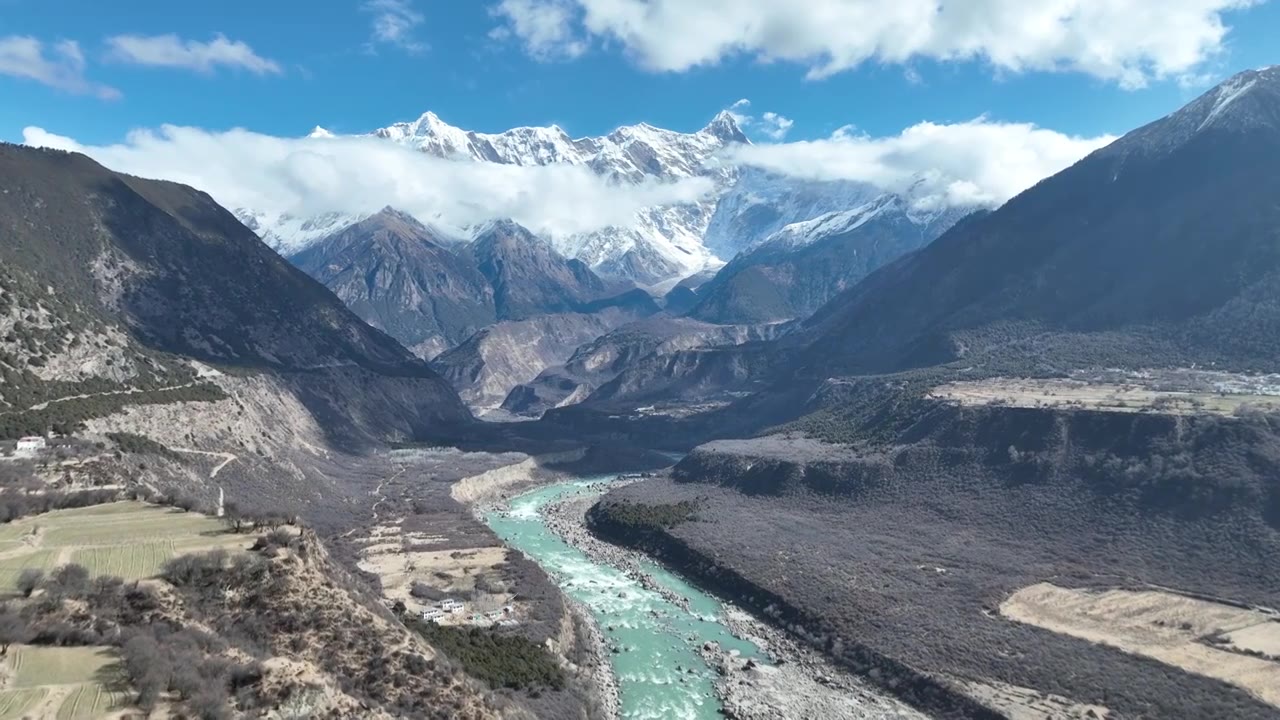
(29, 446)
(451, 605)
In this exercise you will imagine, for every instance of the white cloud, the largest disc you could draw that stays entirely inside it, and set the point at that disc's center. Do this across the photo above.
(770, 124)
(972, 163)
(1125, 41)
(775, 126)
(394, 22)
(310, 176)
(171, 51)
(63, 68)
(545, 26)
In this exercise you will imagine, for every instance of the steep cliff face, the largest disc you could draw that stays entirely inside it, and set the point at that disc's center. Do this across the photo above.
(1151, 463)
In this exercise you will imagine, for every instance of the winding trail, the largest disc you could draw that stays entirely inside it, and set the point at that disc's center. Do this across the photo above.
(227, 458)
(377, 492)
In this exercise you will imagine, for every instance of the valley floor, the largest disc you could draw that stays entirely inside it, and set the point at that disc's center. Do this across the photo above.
(794, 684)
(923, 580)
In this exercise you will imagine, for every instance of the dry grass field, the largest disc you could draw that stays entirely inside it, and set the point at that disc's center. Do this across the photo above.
(402, 559)
(1174, 629)
(128, 539)
(61, 682)
(1111, 397)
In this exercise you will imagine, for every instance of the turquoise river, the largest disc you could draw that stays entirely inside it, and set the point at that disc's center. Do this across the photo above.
(658, 641)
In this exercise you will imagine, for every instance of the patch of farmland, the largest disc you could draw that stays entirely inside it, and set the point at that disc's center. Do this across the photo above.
(15, 704)
(12, 566)
(63, 682)
(145, 522)
(1108, 397)
(130, 539)
(91, 701)
(1263, 638)
(37, 665)
(130, 562)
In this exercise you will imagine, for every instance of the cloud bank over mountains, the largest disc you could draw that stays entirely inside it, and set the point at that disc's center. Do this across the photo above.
(975, 163)
(350, 174)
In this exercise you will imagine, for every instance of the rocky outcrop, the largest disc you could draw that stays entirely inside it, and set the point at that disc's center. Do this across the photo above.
(642, 348)
(489, 364)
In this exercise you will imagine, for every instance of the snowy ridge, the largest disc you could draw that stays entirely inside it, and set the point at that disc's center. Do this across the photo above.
(1242, 102)
(663, 242)
(288, 234)
(807, 232)
(1227, 93)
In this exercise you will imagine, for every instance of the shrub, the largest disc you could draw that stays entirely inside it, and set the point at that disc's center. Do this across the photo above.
(28, 580)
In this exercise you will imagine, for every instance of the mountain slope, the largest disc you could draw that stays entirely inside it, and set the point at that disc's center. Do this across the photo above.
(1166, 241)
(796, 270)
(391, 271)
(530, 278)
(113, 283)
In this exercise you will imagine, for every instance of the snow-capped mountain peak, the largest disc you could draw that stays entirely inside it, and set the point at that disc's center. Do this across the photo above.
(661, 244)
(724, 126)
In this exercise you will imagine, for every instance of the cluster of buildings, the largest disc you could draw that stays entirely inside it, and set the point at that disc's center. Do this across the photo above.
(444, 609)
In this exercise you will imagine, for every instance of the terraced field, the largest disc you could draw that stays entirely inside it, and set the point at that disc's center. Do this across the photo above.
(132, 540)
(65, 683)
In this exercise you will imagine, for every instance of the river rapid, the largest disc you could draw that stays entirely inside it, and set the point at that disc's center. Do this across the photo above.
(655, 643)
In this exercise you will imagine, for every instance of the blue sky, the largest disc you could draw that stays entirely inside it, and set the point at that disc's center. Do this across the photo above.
(333, 70)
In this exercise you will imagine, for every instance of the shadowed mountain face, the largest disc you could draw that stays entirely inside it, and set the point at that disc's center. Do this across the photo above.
(431, 294)
(529, 277)
(1169, 238)
(112, 280)
(395, 274)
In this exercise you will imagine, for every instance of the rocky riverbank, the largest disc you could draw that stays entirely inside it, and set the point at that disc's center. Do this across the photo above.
(795, 683)
(603, 680)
